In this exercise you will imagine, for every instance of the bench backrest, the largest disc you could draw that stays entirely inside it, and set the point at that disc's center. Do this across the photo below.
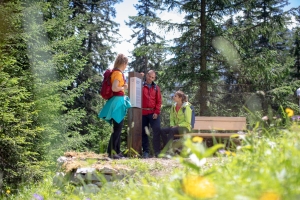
(220, 123)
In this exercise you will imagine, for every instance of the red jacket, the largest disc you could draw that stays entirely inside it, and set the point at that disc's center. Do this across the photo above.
(151, 99)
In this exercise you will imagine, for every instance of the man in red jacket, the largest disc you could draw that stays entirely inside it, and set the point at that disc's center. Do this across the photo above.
(151, 104)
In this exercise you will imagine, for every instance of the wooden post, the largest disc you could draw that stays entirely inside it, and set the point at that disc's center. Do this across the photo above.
(134, 140)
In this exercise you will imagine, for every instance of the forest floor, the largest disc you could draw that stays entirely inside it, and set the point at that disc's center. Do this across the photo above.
(154, 166)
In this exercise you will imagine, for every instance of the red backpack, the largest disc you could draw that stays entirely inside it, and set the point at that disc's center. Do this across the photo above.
(106, 87)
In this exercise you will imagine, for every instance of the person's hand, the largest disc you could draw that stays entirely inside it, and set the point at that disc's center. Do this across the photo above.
(125, 86)
(154, 116)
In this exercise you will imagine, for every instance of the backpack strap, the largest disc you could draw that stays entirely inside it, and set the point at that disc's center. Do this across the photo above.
(183, 110)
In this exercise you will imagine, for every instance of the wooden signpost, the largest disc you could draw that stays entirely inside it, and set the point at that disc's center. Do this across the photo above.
(134, 140)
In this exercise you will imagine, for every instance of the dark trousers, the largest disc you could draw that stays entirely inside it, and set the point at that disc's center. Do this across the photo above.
(115, 138)
(167, 134)
(155, 125)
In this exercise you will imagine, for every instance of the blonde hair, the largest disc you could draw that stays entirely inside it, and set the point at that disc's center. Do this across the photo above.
(181, 95)
(120, 60)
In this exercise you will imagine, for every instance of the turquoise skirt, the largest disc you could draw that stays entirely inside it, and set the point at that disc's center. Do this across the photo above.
(115, 108)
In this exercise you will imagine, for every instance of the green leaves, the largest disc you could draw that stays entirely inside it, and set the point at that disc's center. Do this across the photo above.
(150, 47)
(197, 152)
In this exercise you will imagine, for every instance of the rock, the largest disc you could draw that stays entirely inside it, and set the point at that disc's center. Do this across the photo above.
(88, 179)
(59, 179)
(89, 188)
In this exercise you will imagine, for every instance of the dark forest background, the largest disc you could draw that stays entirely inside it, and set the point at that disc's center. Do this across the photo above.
(232, 58)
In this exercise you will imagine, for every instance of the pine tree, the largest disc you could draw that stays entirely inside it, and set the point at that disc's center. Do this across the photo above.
(193, 63)
(149, 47)
(261, 39)
(100, 34)
(21, 154)
(220, 61)
(55, 61)
(296, 48)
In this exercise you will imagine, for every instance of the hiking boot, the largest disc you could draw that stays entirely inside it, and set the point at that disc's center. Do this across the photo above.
(157, 155)
(164, 156)
(117, 156)
(121, 155)
(177, 151)
(145, 155)
(168, 154)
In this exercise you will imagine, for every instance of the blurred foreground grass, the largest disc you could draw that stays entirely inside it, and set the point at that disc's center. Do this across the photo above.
(265, 167)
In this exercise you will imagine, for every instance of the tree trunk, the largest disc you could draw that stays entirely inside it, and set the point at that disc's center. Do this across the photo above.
(203, 83)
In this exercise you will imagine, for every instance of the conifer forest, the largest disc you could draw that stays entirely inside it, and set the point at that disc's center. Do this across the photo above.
(232, 58)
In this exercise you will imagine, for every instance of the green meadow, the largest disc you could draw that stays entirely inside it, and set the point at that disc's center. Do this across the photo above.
(265, 166)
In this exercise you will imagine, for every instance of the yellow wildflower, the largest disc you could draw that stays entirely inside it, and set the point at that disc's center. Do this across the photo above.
(197, 139)
(289, 112)
(270, 196)
(198, 187)
(229, 153)
(7, 191)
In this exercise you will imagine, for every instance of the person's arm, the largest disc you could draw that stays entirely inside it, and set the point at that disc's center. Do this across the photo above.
(187, 117)
(117, 78)
(116, 88)
(172, 117)
(158, 101)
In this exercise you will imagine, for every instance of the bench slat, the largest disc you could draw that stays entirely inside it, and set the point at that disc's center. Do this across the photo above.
(220, 123)
(215, 124)
(210, 135)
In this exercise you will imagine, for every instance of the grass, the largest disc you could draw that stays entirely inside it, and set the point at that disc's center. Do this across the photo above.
(265, 167)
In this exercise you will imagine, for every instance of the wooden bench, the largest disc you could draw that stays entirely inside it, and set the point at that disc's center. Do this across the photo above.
(217, 127)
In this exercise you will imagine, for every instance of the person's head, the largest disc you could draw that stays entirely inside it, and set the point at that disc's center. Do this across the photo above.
(121, 62)
(180, 97)
(150, 76)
